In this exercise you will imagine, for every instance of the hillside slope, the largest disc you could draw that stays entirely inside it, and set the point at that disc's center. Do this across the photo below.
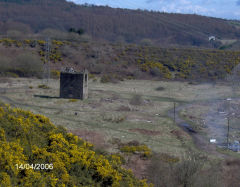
(34, 152)
(116, 61)
(116, 24)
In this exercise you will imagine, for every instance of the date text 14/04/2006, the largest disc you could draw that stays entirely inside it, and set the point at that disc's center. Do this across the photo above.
(35, 166)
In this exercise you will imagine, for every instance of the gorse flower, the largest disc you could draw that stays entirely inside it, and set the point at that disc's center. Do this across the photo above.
(26, 138)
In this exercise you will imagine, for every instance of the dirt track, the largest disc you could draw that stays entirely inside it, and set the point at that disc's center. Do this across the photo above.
(198, 139)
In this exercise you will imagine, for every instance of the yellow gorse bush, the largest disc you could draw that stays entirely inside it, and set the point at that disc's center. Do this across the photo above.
(162, 69)
(55, 54)
(27, 138)
(143, 150)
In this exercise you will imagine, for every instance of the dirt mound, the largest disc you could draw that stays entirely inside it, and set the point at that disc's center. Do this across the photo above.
(146, 132)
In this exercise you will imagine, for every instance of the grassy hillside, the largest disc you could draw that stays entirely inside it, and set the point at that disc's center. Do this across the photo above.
(114, 62)
(129, 122)
(27, 140)
(111, 24)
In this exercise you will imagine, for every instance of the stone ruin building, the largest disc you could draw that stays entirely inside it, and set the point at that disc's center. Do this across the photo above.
(73, 85)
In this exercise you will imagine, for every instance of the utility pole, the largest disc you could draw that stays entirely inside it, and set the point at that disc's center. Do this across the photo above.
(174, 112)
(46, 66)
(228, 120)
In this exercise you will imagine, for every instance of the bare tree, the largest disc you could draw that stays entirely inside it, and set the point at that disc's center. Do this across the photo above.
(186, 171)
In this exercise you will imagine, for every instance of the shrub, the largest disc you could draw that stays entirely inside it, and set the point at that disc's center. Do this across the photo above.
(156, 68)
(143, 150)
(91, 76)
(168, 158)
(155, 72)
(55, 74)
(114, 118)
(29, 138)
(5, 64)
(160, 88)
(161, 173)
(188, 169)
(43, 86)
(105, 79)
(72, 100)
(11, 74)
(27, 65)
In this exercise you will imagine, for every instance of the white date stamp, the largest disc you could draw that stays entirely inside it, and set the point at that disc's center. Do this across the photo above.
(35, 166)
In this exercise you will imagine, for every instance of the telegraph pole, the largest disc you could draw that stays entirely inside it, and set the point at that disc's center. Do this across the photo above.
(228, 120)
(46, 66)
(174, 112)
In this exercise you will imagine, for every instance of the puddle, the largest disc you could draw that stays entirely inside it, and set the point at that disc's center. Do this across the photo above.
(187, 127)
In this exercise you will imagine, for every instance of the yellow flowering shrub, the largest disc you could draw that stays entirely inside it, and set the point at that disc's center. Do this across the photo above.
(57, 42)
(143, 150)
(165, 72)
(5, 179)
(41, 42)
(27, 138)
(55, 74)
(72, 100)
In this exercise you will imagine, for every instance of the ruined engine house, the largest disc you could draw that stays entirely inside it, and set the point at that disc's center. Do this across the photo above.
(73, 85)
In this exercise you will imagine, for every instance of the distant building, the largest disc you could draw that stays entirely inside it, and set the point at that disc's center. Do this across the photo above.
(211, 38)
(74, 84)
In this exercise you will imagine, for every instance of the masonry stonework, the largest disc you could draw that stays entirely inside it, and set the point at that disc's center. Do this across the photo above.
(74, 85)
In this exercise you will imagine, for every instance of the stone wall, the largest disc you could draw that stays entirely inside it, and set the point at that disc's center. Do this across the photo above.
(74, 85)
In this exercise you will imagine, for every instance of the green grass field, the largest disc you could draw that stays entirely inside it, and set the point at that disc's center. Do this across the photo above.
(108, 113)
